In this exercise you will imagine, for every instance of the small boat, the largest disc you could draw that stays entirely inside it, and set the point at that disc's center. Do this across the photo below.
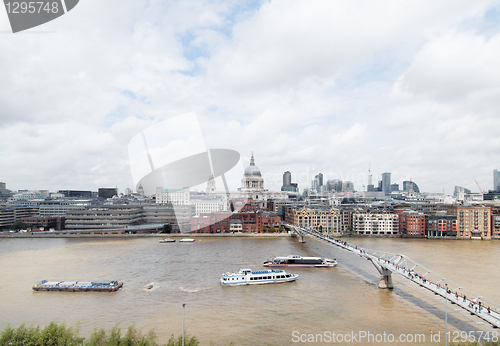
(150, 286)
(186, 240)
(249, 277)
(167, 240)
(78, 286)
(299, 261)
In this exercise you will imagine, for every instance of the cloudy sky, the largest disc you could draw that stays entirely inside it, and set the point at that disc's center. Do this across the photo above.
(411, 88)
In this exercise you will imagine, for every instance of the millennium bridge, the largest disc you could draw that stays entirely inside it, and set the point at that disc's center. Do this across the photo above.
(388, 263)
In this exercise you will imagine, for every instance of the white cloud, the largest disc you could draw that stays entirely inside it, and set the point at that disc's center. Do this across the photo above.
(308, 86)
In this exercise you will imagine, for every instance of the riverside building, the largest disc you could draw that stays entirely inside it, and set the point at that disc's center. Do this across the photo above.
(326, 219)
(473, 222)
(379, 222)
(250, 219)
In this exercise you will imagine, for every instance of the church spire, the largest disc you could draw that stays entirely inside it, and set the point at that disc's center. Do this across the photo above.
(252, 161)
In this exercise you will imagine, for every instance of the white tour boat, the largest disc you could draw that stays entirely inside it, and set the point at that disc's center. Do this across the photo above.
(249, 277)
(299, 261)
(184, 240)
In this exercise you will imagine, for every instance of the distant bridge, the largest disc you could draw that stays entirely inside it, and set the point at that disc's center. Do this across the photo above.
(388, 263)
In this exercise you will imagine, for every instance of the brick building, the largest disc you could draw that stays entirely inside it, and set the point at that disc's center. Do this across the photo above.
(412, 223)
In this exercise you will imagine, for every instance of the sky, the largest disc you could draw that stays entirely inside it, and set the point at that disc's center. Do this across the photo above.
(338, 87)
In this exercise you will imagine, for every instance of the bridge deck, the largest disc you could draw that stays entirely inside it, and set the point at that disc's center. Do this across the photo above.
(395, 265)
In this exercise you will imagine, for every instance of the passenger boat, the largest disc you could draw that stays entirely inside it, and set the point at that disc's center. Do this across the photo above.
(299, 261)
(78, 286)
(184, 240)
(249, 277)
(167, 240)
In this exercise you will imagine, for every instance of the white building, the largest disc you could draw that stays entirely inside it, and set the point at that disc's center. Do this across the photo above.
(209, 203)
(29, 195)
(173, 196)
(375, 223)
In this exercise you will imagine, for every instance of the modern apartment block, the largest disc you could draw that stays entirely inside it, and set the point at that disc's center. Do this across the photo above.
(473, 222)
(379, 222)
(439, 225)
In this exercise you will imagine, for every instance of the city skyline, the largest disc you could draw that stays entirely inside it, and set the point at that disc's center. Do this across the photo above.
(335, 88)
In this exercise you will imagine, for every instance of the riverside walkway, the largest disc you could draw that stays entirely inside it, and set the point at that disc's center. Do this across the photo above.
(388, 263)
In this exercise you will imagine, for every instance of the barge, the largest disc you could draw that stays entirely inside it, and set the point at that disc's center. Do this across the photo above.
(78, 286)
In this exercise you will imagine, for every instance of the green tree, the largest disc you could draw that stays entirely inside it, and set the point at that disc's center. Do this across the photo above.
(51, 335)
(280, 229)
(272, 230)
(166, 228)
(187, 341)
(17, 225)
(60, 335)
(55, 335)
(263, 229)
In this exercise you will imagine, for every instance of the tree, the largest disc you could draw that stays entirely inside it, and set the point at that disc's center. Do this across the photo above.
(17, 225)
(178, 342)
(166, 228)
(272, 230)
(263, 229)
(280, 229)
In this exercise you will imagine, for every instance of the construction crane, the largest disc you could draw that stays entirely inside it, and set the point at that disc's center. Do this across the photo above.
(480, 190)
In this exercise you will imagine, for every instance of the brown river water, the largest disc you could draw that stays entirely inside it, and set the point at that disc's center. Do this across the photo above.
(344, 300)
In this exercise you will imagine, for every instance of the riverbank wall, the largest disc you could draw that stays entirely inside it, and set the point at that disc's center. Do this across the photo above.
(146, 235)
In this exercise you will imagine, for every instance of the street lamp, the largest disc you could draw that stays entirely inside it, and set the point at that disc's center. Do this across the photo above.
(183, 308)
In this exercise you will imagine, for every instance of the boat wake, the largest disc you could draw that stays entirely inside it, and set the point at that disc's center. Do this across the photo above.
(195, 289)
(151, 286)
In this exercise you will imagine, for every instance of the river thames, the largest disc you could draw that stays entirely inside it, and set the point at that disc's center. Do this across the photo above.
(342, 300)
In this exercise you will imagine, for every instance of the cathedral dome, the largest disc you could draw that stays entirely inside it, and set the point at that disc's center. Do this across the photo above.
(252, 169)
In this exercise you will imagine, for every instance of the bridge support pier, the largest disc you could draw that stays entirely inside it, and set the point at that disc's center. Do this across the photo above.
(385, 274)
(385, 278)
(302, 238)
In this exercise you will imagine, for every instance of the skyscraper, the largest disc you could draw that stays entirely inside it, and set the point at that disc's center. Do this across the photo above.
(334, 185)
(496, 180)
(287, 178)
(407, 184)
(386, 183)
(319, 178)
(288, 186)
(348, 186)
